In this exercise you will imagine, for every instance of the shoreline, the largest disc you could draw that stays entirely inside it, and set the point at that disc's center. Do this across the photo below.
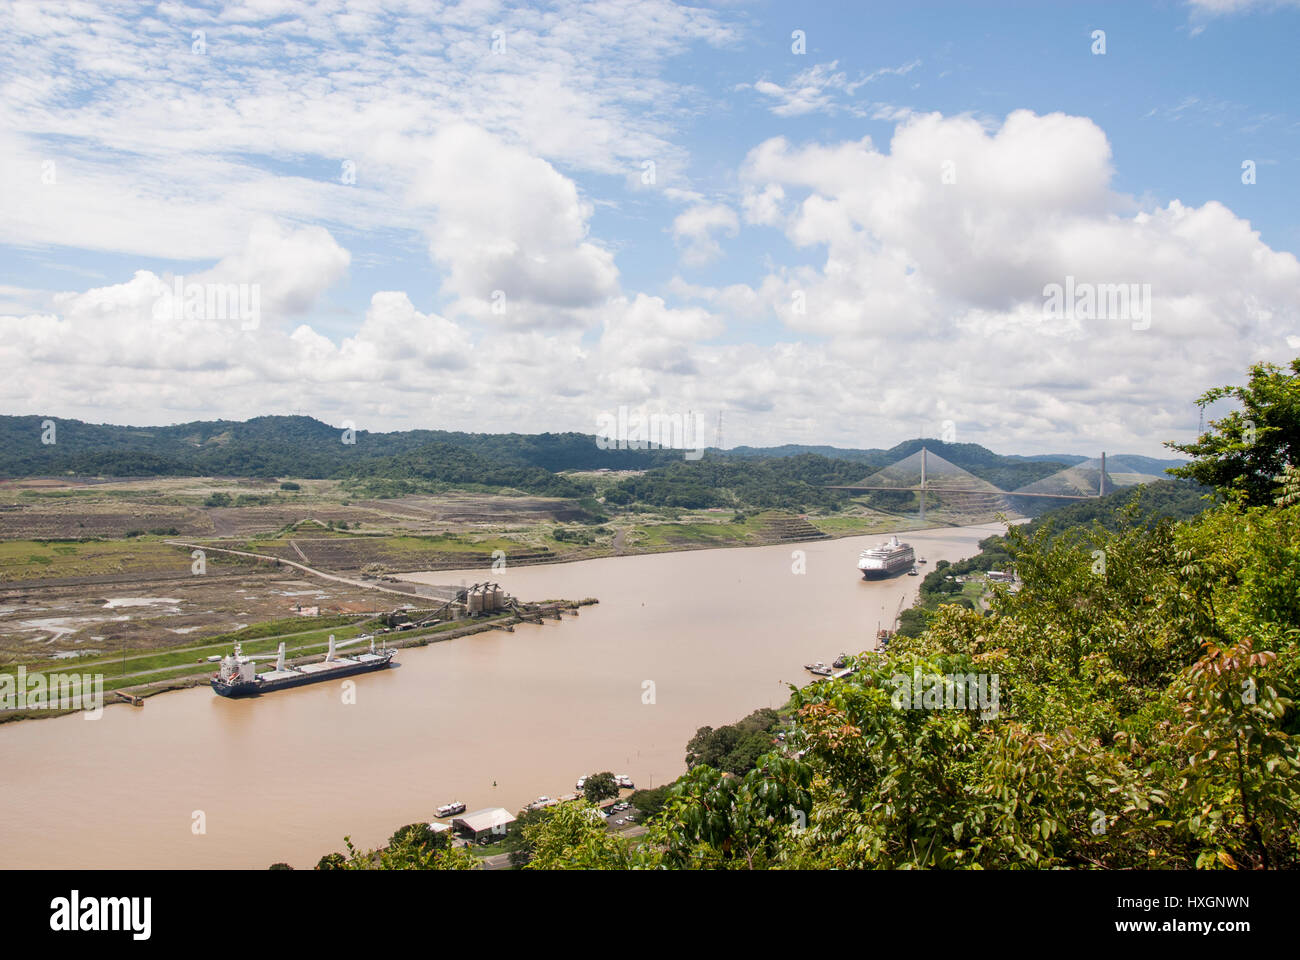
(469, 716)
(151, 689)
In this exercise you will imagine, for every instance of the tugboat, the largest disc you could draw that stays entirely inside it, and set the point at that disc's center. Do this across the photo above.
(238, 676)
(840, 662)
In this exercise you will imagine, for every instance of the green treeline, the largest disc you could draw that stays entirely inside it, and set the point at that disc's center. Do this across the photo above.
(425, 461)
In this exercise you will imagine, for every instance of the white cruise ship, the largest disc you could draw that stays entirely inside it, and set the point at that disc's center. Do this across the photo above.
(886, 560)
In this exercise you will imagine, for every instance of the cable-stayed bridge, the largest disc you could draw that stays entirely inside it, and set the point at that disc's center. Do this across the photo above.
(924, 471)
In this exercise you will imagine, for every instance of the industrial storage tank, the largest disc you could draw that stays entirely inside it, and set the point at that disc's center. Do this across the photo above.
(498, 597)
(474, 601)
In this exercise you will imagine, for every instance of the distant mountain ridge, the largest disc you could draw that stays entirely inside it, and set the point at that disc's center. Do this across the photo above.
(275, 446)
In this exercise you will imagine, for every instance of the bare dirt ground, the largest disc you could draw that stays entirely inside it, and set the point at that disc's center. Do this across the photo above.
(59, 621)
(72, 582)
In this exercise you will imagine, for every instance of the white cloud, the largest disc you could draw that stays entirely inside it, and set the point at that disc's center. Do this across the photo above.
(510, 232)
(908, 300)
(291, 267)
(1219, 7)
(819, 88)
(261, 123)
(694, 231)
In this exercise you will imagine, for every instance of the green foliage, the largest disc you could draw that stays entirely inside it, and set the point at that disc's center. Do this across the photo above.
(572, 836)
(600, 786)
(217, 499)
(736, 747)
(650, 802)
(913, 621)
(409, 849)
(420, 835)
(1245, 452)
(290, 485)
(1145, 718)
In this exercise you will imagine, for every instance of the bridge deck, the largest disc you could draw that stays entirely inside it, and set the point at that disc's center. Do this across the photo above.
(988, 493)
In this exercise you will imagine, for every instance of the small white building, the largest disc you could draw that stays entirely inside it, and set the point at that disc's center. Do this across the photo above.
(488, 822)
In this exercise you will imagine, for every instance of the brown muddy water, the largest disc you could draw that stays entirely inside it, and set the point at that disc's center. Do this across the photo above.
(493, 719)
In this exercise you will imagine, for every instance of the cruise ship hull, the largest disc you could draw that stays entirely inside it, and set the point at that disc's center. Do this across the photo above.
(886, 573)
(257, 686)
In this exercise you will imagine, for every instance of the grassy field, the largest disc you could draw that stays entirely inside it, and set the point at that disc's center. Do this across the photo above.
(665, 536)
(50, 559)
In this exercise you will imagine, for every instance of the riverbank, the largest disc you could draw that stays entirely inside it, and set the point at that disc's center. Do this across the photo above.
(198, 674)
(678, 641)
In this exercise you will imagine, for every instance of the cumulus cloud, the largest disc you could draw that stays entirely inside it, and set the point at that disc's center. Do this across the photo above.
(695, 231)
(291, 267)
(937, 254)
(891, 288)
(510, 232)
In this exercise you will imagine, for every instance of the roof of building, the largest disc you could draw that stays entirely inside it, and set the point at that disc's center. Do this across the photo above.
(485, 819)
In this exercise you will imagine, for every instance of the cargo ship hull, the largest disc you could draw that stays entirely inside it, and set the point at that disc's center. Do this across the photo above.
(313, 673)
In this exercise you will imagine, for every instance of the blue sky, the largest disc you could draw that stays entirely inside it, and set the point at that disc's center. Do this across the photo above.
(798, 262)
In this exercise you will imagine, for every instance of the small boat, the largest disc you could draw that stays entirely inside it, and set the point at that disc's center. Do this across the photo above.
(840, 662)
(822, 671)
(914, 572)
(624, 782)
(814, 667)
(451, 809)
(921, 560)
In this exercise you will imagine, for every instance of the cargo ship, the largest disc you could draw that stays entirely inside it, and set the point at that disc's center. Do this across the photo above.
(886, 560)
(238, 676)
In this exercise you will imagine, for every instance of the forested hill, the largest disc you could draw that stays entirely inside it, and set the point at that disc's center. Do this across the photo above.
(1163, 500)
(787, 477)
(281, 446)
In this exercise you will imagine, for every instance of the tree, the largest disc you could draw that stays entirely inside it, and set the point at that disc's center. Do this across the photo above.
(1241, 809)
(1245, 452)
(600, 786)
(420, 835)
(650, 802)
(573, 836)
(407, 851)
